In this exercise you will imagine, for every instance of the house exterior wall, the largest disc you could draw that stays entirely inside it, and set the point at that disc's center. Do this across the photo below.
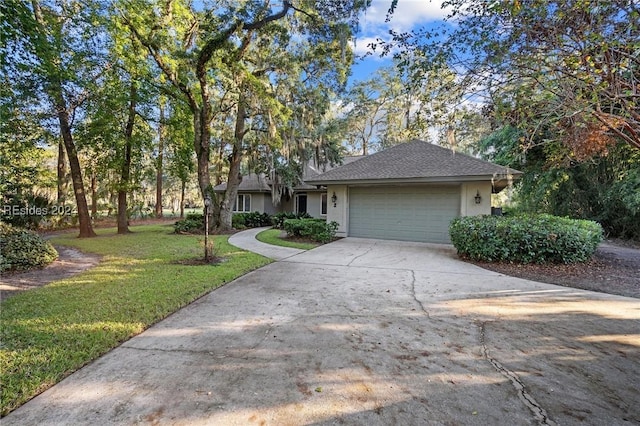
(468, 206)
(267, 204)
(260, 202)
(339, 213)
(468, 191)
(314, 204)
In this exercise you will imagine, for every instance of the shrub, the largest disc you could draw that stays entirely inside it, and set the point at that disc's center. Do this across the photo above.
(251, 220)
(525, 239)
(192, 223)
(22, 249)
(277, 220)
(316, 229)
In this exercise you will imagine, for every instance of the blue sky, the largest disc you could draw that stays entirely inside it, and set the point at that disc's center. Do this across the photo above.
(409, 14)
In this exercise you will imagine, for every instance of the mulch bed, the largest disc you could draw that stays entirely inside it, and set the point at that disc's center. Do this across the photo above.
(604, 273)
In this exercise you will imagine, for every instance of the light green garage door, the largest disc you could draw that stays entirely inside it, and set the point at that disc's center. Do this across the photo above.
(403, 213)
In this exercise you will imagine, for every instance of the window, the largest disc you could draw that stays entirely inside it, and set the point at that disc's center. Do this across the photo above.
(243, 203)
(323, 204)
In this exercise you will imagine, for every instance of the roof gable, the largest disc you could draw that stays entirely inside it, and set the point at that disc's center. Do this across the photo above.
(415, 160)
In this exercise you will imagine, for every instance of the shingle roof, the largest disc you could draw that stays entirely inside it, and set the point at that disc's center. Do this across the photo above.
(413, 161)
(312, 170)
(260, 183)
(250, 183)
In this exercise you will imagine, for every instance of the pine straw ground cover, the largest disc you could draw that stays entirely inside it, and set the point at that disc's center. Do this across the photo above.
(614, 269)
(49, 332)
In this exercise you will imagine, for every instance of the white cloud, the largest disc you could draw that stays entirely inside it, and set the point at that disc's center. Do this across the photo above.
(408, 13)
(361, 44)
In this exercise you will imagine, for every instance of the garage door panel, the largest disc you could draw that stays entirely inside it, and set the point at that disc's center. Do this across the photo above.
(403, 213)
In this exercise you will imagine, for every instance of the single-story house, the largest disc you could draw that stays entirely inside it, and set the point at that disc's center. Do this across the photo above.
(410, 192)
(254, 193)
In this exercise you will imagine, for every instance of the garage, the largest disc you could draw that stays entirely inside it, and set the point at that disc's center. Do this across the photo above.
(407, 213)
(410, 192)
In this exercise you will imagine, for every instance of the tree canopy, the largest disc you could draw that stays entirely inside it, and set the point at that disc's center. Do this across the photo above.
(137, 100)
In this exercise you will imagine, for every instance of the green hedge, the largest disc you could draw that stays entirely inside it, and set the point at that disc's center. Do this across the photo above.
(251, 220)
(277, 220)
(22, 249)
(192, 223)
(525, 239)
(316, 229)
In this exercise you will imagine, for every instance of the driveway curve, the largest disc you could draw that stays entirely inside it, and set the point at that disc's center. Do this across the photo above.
(368, 332)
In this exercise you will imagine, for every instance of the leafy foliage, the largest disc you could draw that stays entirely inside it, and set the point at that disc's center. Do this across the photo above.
(278, 219)
(251, 220)
(570, 65)
(193, 223)
(316, 229)
(604, 189)
(525, 239)
(22, 249)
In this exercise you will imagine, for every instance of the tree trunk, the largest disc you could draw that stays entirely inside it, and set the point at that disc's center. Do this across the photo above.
(63, 179)
(54, 89)
(125, 173)
(86, 230)
(159, 165)
(94, 194)
(233, 182)
(235, 178)
(183, 188)
(202, 135)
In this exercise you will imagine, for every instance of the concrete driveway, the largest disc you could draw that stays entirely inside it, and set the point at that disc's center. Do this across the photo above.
(368, 332)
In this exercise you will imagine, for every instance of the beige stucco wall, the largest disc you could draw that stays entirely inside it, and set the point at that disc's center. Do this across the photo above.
(314, 204)
(339, 213)
(468, 191)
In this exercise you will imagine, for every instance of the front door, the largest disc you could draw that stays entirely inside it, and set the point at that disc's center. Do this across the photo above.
(301, 203)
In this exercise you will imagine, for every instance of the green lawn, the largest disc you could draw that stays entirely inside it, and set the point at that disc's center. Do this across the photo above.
(272, 236)
(48, 333)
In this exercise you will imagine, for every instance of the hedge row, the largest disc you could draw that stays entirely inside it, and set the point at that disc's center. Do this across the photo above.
(278, 219)
(525, 239)
(194, 222)
(316, 229)
(22, 249)
(251, 220)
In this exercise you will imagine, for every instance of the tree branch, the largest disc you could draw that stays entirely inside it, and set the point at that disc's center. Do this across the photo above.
(217, 42)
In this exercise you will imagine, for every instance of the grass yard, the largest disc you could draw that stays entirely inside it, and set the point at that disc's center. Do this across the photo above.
(272, 236)
(49, 332)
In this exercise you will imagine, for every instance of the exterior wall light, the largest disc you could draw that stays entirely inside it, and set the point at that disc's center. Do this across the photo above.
(334, 199)
(478, 198)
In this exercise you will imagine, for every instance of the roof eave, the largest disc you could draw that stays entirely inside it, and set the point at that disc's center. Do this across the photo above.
(395, 181)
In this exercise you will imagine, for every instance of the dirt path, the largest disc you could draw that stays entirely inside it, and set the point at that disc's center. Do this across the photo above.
(70, 262)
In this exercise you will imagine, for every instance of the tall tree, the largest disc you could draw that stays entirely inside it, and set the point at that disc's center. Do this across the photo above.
(162, 134)
(180, 155)
(572, 65)
(58, 40)
(186, 45)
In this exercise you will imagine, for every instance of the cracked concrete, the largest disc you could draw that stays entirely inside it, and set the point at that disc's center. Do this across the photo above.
(367, 332)
(538, 412)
